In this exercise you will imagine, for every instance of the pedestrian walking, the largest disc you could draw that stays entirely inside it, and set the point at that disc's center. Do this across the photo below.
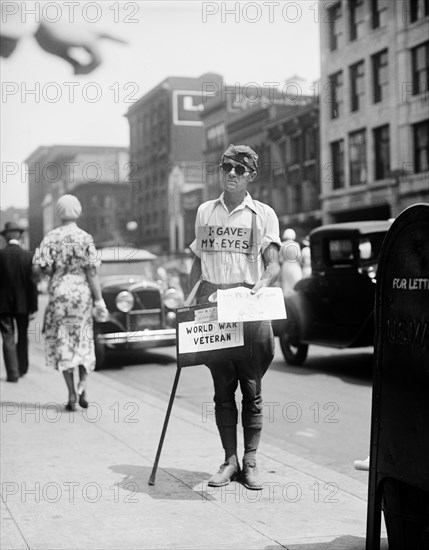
(290, 258)
(67, 255)
(306, 258)
(18, 301)
(235, 209)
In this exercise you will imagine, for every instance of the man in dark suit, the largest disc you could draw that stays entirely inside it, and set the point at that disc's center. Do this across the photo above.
(18, 301)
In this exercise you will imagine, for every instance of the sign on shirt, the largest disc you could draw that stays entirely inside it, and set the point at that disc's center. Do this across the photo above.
(215, 238)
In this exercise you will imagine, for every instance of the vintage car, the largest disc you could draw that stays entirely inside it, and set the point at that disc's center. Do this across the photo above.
(141, 299)
(334, 306)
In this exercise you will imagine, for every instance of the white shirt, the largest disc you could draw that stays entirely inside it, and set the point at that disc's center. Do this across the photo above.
(224, 267)
(291, 271)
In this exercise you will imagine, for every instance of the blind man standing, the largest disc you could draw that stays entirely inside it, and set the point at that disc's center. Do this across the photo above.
(252, 263)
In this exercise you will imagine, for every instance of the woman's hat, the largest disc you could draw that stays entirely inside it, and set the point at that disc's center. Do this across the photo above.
(68, 207)
(10, 227)
(289, 234)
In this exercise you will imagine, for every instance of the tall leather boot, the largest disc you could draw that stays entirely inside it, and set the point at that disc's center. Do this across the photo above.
(250, 475)
(230, 469)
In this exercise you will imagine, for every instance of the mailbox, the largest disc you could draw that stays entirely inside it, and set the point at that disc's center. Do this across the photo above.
(399, 452)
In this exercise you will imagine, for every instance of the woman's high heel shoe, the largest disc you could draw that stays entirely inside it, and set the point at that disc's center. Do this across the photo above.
(81, 391)
(82, 400)
(71, 406)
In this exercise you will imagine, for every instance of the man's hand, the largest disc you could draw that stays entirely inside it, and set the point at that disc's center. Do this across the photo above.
(262, 283)
(272, 268)
(32, 315)
(58, 38)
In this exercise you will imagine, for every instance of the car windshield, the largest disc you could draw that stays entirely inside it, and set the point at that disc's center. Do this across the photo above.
(340, 252)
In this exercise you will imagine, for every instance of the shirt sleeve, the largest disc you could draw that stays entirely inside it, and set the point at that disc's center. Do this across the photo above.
(91, 258)
(271, 235)
(44, 255)
(198, 223)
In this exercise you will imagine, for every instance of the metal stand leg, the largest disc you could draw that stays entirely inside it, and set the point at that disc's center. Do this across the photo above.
(164, 428)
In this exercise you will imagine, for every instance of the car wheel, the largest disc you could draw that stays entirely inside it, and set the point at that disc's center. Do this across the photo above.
(294, 353)
(100, 354)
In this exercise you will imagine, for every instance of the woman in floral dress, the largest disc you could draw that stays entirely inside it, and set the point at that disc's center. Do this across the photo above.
(67, 254)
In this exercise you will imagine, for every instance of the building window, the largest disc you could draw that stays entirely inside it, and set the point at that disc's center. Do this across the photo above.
(134, 137)
(309, 144)
(309, 188)
(337, 162)
(380, 77)
(420, 68)
(334, 17)
(357, 156)
(418, 9)
(295, 149)
(215, 135)
(294, 188)
(310, 174)
(336, 94)
(382, 152)
(357, 85)
(146, 133)
(356, 19)
(378, 13)
(421, 147)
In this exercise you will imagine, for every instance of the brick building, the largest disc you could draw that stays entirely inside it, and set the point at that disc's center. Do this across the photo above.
(277, 126)
(294, 152)
(248, 127)
(214, 115)
(58, 169)
(374, 121)
(166, 135)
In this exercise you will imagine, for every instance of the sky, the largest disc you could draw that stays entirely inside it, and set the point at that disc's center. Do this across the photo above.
(44, 103)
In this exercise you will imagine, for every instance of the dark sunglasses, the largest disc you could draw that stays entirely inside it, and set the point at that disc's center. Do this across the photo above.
(238, 168)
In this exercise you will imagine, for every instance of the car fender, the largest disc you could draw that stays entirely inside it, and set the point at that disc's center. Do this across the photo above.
(298, 311)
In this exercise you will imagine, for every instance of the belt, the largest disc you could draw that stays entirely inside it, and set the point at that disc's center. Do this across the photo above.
(224, 286)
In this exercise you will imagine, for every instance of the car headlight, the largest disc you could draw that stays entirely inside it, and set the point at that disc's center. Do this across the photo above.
(370, 272)
(124, 301)
(173, 298)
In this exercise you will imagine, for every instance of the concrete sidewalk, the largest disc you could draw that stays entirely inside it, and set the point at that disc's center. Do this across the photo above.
(80, 480)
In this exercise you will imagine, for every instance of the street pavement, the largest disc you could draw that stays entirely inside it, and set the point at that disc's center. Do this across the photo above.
(80, 480)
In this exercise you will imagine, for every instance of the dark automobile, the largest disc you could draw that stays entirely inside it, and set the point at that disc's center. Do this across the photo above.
(141, 300)
(335, 305)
